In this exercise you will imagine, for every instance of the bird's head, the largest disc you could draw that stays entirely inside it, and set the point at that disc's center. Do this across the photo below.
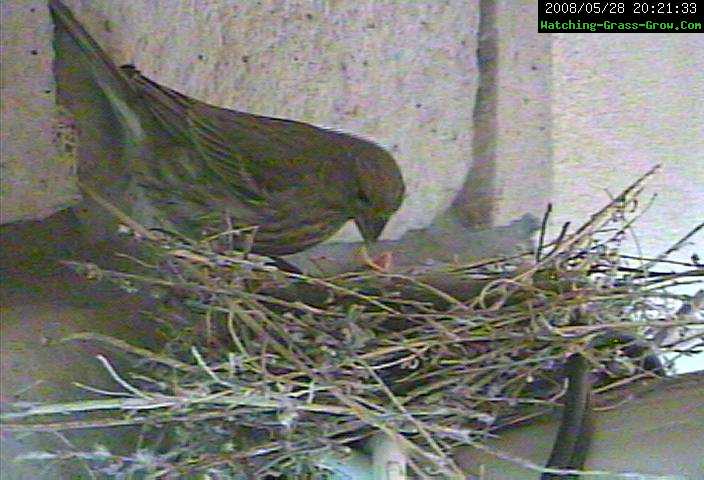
(379, 190)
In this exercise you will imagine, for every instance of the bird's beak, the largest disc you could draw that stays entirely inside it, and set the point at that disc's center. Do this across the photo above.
(370, 227)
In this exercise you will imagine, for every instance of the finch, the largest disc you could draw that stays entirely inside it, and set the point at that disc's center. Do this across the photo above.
(202, 169)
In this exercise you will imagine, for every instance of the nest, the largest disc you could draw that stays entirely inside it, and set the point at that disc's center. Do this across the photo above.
(273, 373)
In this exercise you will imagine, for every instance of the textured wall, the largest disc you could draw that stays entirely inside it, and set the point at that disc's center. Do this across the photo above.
(523, 148)
(400, 73)
(621, 104)
(34, 180)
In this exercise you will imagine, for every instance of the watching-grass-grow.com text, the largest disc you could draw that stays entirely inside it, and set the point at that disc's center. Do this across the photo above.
(577, 26)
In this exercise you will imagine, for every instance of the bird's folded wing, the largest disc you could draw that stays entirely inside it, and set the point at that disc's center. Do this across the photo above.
(185, 119)
(276, 155)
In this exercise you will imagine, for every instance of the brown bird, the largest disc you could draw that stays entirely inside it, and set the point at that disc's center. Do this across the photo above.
(200, 169)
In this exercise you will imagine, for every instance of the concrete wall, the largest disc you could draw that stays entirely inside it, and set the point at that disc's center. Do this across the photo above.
(35, 181)
(621, 104)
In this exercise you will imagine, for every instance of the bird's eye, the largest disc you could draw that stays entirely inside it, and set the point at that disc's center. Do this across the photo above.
(363, 197)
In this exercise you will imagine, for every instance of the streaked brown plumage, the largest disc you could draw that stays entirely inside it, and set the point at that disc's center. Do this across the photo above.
(202, 169)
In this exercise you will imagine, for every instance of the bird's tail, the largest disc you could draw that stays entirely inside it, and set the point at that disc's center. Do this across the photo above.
(103, 70)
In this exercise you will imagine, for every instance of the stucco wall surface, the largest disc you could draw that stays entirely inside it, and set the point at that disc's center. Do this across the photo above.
(621, 104)
(34, 180)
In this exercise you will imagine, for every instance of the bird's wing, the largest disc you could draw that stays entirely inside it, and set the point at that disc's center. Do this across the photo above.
(179, 116)
(260, 156)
